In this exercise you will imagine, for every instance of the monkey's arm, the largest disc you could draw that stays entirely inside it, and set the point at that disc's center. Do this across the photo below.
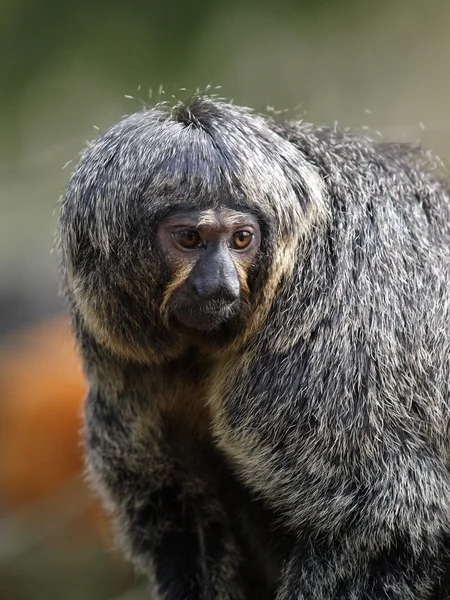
(392, 545)
(170, 525)
(367, 498)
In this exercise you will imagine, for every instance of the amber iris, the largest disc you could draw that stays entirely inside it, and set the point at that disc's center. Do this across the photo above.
(241, 239)
(188, 239)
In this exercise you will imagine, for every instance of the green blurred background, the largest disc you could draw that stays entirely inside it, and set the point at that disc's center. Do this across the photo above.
(70, 68)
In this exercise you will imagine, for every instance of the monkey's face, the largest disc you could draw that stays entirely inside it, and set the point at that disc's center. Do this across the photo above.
(208, 254)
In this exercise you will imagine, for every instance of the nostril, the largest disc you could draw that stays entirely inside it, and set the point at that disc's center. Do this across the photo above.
(201, 289)
(215, 290)
(230, 292)
(215, 278)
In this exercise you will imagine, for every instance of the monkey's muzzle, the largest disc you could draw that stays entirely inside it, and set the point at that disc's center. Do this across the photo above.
(207, 316)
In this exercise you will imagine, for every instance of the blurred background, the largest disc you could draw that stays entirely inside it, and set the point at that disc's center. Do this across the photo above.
(69, 69)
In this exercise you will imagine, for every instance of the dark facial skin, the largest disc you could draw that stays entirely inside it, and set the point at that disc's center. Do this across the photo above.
(206, 251)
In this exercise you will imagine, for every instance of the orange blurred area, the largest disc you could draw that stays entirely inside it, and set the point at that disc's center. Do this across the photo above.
(51, 527)
(41, 455)
(41, 397)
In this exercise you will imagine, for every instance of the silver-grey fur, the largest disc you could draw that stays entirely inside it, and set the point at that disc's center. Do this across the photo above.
(303, 452)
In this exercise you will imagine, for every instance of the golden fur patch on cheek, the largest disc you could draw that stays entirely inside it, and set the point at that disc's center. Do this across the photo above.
(282, 266)
(241, 269)
(179, 277)
(98, 322)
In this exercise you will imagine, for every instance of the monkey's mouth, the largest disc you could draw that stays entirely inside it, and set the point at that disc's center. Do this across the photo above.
(207, 315)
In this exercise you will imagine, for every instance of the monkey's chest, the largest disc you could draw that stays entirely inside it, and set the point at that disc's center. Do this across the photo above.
(221, 499)
(188, 410)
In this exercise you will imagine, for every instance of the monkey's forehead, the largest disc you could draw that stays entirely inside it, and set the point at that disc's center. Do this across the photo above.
(154, 147)
(220, 216)
(153, 162)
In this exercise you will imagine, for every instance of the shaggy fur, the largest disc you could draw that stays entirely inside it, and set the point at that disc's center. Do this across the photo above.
(301, 451)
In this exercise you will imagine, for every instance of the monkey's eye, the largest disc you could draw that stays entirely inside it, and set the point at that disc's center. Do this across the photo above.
(188, 239)
(241, 239)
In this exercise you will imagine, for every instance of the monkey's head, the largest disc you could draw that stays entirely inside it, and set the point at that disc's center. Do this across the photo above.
(179, 223)
(208, 253)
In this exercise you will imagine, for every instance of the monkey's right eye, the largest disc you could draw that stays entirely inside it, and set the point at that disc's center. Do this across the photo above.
(188, 239)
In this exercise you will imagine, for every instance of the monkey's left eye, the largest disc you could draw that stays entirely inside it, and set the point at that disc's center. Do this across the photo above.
(189, 239)
(241, 239)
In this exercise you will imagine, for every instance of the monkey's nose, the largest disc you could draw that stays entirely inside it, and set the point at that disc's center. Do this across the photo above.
(216, 288)
(215, 278)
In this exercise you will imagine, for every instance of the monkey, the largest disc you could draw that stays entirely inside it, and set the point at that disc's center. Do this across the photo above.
(262, 310)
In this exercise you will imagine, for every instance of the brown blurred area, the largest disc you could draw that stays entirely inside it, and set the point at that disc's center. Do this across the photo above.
(47, 511)
(42, 390)
(70, 69)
